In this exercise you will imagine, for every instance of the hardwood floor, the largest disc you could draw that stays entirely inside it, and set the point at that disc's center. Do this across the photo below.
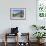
(13, 44)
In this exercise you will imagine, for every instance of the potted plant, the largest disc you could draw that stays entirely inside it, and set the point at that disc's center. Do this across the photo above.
(39, 35)
(38, 27)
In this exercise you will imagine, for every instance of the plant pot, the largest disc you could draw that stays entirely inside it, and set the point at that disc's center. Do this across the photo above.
(40, 41)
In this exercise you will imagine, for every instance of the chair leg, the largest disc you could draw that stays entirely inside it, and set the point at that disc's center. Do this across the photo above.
(5, 40)
(5, 43)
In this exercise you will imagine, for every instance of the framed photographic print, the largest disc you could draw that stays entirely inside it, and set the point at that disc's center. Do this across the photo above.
(17, 13)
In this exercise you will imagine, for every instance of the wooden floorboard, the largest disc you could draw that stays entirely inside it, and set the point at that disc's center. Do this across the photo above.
(13, 44)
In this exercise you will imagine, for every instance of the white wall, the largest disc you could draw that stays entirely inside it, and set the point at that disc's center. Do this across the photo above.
(24, 25)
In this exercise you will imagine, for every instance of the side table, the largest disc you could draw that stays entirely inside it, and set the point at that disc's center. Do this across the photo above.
(8, 34)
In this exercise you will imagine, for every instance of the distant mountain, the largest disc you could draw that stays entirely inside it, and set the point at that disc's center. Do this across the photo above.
(19, 14)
